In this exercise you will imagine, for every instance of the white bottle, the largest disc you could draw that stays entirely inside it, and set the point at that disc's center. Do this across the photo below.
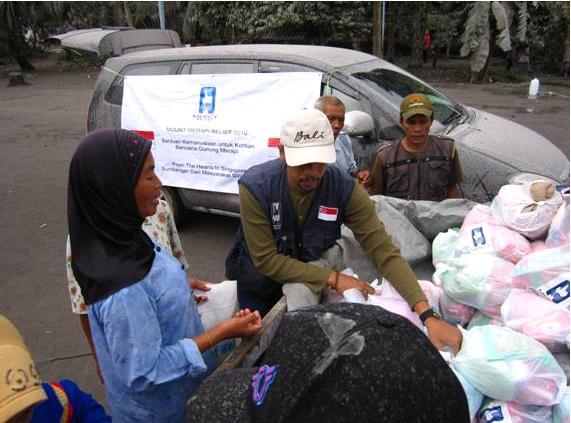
(533, 88)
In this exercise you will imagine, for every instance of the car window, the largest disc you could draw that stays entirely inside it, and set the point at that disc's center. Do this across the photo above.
(394, 86)
(271, 66)
(115, 92)
(206, 68)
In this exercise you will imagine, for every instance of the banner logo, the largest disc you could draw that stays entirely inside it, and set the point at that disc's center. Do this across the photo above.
(207, 102)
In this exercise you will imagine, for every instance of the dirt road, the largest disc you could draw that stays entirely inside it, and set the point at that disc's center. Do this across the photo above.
(41, 126)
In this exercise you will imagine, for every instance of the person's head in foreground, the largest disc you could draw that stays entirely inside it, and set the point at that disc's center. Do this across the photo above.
(307, 148)
(20, 386)
(338, 363)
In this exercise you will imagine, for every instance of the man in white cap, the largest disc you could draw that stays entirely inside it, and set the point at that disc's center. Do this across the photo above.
(291, 212)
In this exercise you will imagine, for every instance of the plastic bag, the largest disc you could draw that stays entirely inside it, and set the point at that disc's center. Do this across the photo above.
(454, 312)
(512, 412)
(222, 303)
(481, 233)
(481, 281)
(509, 366)
(387, 296)
(475, 398)
(536, 269)
(443, 246)
(514, 207)
(480, 319)
(561, 413)
(537, 317)
(538, 245)
(558, 233)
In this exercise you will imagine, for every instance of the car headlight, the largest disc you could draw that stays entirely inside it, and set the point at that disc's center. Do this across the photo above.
(524, 178)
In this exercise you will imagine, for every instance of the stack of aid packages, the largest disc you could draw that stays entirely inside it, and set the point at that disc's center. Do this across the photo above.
(503, 278)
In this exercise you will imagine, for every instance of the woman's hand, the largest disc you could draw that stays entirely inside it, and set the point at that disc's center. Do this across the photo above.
(199, 285)
(246, 323)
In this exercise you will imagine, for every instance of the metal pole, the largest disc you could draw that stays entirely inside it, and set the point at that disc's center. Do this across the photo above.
(162, 13)
(383, 32)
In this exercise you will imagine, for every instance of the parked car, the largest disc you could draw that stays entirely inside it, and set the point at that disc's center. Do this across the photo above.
(493, 151)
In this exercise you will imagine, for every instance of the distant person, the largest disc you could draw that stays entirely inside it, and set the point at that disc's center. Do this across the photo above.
(25, 399)
(419, 166)
(162, 229)
(334, 109)
(291, 212)
(150, 342)
(426, 46)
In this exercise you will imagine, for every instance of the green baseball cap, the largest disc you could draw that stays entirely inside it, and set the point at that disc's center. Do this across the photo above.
(415, 104)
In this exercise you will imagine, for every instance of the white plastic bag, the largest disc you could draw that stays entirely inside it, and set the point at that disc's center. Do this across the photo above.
(443, 246)
(561, 413)
(512, 205)
(481, 281)
(537, 317)
(222, 303)
(480, 319)
(536, 269)
(512, 412)
(475, 398)
(481, 233)
(509, 366)
(558, 233)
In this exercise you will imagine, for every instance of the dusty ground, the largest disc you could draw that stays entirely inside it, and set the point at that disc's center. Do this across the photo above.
(41, 124)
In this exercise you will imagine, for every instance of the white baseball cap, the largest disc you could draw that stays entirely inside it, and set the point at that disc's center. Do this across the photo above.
(307, 137)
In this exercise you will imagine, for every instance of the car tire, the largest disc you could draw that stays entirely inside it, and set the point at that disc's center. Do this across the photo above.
(175, 204)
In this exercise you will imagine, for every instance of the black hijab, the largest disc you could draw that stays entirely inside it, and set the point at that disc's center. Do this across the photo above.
(110, 250)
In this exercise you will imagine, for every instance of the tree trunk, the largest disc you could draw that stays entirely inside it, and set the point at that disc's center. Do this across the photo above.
(391, 31)
(128, 15)
(419, 27)
(377, 29)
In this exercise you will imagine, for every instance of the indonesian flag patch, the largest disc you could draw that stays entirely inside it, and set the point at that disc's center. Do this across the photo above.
(328, 213)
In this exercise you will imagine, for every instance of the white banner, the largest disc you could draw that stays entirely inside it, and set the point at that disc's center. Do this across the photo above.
(208, 129)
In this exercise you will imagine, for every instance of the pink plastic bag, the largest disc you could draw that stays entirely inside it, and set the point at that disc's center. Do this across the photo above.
(538, 245)
(481, 233)
(536, 269)
(454, 312)
(558, 233)
(478, 280)
(537, 317)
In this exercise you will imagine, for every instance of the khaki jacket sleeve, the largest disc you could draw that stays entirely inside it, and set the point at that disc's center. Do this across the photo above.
(370, 232)
(263, 251)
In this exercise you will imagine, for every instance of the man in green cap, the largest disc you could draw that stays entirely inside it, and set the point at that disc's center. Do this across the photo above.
(419, 166)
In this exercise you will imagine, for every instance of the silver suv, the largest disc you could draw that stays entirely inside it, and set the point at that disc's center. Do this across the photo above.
(493, 151)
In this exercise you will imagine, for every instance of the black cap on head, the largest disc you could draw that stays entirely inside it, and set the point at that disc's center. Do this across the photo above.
(338, 363)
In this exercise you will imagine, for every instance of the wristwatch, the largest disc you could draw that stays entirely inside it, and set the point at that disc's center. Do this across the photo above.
(428, 313)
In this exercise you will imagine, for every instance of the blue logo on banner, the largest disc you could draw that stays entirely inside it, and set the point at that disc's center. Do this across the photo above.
(492, 414)
(478, 237)
(207, 102)
(559, 292)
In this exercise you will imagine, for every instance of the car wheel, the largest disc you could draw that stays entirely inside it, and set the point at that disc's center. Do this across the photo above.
(175, 204)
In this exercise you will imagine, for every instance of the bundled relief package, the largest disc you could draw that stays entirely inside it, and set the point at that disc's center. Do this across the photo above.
(561, 412)
(443, 246)
(506, 365)
(558, 233)
(528, 208)
(480, 319)
(480, 281)
(533, 315)
(481, 233)
(536, 269)
(454, 312)
(221, 304)
(513, 412)
(475, 398)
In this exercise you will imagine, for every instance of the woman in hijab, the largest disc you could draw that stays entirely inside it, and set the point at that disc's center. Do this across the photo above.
(145, 325)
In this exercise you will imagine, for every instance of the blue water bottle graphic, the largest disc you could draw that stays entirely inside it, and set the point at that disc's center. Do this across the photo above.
(207, 101)
(478, 237)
